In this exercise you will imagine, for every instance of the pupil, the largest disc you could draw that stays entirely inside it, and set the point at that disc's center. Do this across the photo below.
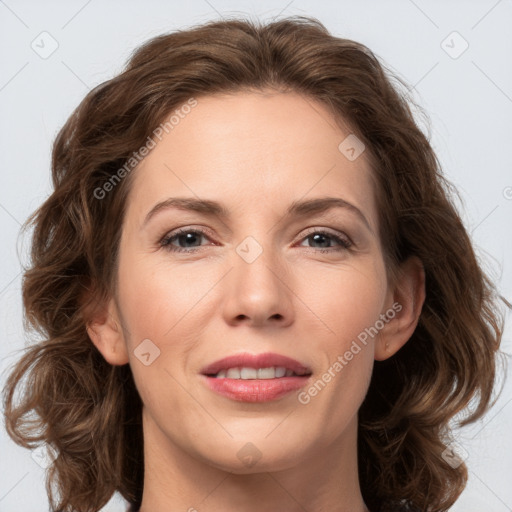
(189, 237)
(315, 237)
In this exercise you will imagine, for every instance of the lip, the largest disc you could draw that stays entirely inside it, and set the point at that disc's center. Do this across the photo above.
(255, 390)
(266, 360)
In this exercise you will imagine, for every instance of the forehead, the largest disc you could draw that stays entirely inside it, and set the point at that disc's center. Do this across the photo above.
(251, 149)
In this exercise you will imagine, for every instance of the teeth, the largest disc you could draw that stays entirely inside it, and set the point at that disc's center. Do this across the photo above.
(253, 373)
(248, 373)
(233, 373)
(267, 373)
(281, 372)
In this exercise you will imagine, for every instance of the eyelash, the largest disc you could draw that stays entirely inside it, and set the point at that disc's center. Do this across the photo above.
(165, 242)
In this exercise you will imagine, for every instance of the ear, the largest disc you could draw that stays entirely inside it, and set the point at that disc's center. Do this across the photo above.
(405, 301)
(104, 330)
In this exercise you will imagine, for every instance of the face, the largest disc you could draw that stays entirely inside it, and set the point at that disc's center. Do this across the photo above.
(255, 277)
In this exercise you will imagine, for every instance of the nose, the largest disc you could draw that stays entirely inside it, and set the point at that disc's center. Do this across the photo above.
(260, 291)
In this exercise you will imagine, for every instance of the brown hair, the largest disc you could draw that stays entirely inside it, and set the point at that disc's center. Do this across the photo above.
(89, 411)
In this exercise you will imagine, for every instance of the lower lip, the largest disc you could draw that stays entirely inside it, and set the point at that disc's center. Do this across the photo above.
(255, 390)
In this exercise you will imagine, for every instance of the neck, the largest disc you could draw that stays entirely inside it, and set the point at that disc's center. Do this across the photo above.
(174, 479)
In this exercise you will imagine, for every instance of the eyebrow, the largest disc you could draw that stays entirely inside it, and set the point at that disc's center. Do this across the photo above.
(214, 209)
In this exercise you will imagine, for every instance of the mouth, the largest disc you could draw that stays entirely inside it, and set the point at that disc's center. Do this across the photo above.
(256, 378)
(248, 373)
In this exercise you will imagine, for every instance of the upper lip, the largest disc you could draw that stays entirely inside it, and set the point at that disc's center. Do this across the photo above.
(246, 360)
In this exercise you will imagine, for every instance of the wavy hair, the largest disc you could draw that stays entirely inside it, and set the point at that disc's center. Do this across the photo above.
(89, 412)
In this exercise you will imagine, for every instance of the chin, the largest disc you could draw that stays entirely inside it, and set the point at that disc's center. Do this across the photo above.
(246, 457)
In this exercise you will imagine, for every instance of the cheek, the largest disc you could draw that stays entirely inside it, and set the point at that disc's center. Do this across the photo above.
(157, 298)
(342, 301)
(346, 305)
(162, 311)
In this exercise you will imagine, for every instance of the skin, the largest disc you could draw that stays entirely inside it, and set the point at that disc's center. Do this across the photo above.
(255, 153)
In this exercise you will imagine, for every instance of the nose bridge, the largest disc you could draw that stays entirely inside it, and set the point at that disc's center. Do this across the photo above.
(257, 288)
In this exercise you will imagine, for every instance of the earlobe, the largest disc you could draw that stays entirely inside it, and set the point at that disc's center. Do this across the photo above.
(104, 330)
(408, 298)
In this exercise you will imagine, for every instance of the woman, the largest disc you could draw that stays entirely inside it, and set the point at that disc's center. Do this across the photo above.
(252, 370)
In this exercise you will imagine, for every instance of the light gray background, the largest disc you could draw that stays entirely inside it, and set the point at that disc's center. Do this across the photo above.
(468, 98)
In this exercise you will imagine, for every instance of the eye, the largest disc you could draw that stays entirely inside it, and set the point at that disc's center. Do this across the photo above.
(189, 240)
(185, 236)
(323, 237)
